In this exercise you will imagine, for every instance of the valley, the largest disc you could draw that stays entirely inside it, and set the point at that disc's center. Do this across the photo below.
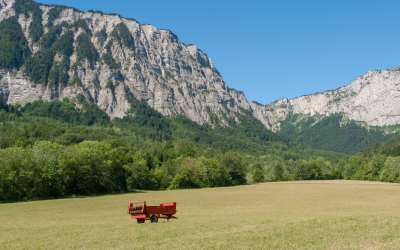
(281, 215)
(107, 59)
(145, 111)
(98, 110)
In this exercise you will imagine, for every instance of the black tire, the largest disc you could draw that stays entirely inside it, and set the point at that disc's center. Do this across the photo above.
(139, 221)
(153, 218)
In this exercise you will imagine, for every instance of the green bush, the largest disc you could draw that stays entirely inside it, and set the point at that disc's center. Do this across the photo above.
(278, 172)
(258, 175)
(213, 173)
(139, 176)
(309, 171)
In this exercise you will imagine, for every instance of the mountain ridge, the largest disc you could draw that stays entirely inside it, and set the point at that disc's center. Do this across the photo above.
(106, 58)
(128, 58)
(371, 99)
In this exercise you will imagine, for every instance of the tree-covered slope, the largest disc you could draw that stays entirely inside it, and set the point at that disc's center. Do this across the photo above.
(333, 133)
(51, 52)
(71, 147)
(246, 136)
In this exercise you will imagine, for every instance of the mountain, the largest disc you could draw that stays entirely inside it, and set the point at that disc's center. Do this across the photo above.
(135, 73)
(372, 99)
(56, 52)
(343, 120)
(64, 52)
(72, 147)
(65, 73)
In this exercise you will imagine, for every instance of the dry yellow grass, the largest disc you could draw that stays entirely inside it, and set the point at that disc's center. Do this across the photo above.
(285, 215)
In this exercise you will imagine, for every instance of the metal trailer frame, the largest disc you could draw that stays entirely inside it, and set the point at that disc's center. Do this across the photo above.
(152, 213)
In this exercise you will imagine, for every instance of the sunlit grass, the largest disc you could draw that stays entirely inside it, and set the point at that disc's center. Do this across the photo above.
(286, 215)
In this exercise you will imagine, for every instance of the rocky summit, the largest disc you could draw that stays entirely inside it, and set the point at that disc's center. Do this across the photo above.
(126, 57)
(372, 99)
(60, 52)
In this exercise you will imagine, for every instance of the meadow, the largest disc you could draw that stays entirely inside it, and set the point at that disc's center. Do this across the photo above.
(280, 215)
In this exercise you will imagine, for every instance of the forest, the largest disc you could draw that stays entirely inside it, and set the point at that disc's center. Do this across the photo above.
(72, 148)
(333, 132)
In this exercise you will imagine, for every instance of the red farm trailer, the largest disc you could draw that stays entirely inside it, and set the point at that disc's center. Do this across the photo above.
(141, 212)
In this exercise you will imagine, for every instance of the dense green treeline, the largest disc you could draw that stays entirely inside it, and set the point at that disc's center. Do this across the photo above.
(248, 136)
(378, 163)
(333, 133)
(70, 147)
(50, 159)
(66, 111)
(50, 170)
(142, 122)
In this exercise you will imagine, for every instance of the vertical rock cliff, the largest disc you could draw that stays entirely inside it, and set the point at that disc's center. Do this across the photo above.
(373, 99)
(111, 57)
(53, 52)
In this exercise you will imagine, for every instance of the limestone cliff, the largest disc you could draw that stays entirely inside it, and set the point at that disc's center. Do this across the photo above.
(113, 57)
(153, 66)
(373, 99)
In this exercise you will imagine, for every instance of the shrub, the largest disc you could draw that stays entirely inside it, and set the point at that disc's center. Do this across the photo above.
(278, 172)
(258, 175)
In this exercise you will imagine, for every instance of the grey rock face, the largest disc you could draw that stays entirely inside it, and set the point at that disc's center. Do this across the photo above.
(156, 68)
(4, 90)
(175, 78)
(373, 98)
(6, 9)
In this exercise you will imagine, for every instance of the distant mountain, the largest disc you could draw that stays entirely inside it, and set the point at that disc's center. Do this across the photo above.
(52, 52)
(343, 120)
(373, 99)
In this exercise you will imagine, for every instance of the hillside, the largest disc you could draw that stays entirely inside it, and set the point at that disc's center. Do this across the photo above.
(94, 103)
(371, 99)
(342, 120)
(334, 132)
(72, 147)
(55, 52)
(62, 52)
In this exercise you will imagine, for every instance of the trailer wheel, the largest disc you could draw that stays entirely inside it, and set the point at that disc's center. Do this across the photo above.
(153, 218)
(139, 221)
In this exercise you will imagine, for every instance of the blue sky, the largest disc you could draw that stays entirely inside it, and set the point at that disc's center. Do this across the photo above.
(275, 49)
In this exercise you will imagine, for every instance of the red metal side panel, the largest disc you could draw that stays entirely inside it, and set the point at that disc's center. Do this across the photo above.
(166, 208)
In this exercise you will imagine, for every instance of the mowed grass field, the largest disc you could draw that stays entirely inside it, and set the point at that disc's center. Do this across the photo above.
(282, 215)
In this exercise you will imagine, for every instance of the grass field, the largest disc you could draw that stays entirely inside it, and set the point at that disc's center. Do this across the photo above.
(283, 215)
